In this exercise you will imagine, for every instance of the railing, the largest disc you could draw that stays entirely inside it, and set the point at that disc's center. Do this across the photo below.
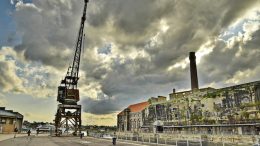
(189, 140)
(158, 140)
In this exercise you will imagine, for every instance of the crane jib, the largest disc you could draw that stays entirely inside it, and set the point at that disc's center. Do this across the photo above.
(70, 81)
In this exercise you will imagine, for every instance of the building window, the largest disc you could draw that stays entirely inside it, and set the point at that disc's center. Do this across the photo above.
(3, 121)
(11, 121)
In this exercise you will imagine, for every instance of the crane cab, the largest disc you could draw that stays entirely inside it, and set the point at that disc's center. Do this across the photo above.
(73, 95)
(67, 95)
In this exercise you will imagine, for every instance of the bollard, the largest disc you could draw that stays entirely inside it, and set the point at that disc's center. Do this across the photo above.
(187, 142)
(157, 139)
(200, 141)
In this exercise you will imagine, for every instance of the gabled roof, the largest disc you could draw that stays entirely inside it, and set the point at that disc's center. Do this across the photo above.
(9, 113)
(135, 107)
(138, 107)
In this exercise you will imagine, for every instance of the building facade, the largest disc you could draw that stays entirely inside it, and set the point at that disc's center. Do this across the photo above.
(229, 110)
(9, 120)
(131, 118)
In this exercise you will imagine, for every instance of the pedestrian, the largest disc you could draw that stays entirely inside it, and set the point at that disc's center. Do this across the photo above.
(81, 135)
(15, 132)
(37, 131)
(114, 139)
(29, 132)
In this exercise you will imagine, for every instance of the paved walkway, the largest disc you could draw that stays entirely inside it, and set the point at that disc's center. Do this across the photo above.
(8, 136)
(11, 136)
(61, 141)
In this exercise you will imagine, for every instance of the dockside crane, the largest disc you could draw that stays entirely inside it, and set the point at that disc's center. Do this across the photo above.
(68, 114)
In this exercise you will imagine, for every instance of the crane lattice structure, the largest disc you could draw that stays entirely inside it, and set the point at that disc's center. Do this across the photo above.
(68, 114)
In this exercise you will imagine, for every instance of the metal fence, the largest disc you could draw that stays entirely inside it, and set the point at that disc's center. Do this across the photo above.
(161, 141)
(182, 140)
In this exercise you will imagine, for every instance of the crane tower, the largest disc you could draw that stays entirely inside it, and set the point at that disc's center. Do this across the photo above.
(68, 114)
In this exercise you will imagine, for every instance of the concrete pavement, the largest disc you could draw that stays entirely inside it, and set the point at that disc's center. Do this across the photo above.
(61, 141)
(8, 136)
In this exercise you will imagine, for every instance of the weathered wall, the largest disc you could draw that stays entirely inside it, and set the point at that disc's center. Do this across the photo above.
(10, 124)
(207, 106)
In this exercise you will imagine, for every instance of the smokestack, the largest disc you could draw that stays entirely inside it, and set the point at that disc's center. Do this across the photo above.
(193, 71)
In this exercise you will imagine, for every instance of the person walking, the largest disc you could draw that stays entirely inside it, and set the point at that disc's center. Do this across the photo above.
(81, 135)
(37, 131)
(15, 132)
(114, 139)
(29, 132)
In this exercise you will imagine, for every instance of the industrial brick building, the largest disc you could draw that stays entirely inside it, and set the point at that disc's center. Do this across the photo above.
(131, 118)
(229, 110)
(9, 120)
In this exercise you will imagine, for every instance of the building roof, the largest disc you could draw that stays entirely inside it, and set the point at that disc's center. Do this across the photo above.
(138, 107)
(9, 113)
(121, 113)
(210, 88)
(135, 107)
(190, 91)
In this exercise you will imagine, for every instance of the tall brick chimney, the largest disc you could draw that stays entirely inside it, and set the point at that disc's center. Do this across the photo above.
(193, 71)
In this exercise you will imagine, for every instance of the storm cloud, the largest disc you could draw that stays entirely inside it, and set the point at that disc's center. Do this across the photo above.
(99, 107)
(240, 56)
(135, 49)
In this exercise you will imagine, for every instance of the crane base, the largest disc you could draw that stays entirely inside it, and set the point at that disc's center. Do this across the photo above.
(68, 120)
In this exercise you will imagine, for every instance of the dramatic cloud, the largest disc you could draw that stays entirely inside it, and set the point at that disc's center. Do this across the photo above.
(234, 59)
(9, 81)
(134, 49)
(104, 106)
(21, 77)
(48, 30)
